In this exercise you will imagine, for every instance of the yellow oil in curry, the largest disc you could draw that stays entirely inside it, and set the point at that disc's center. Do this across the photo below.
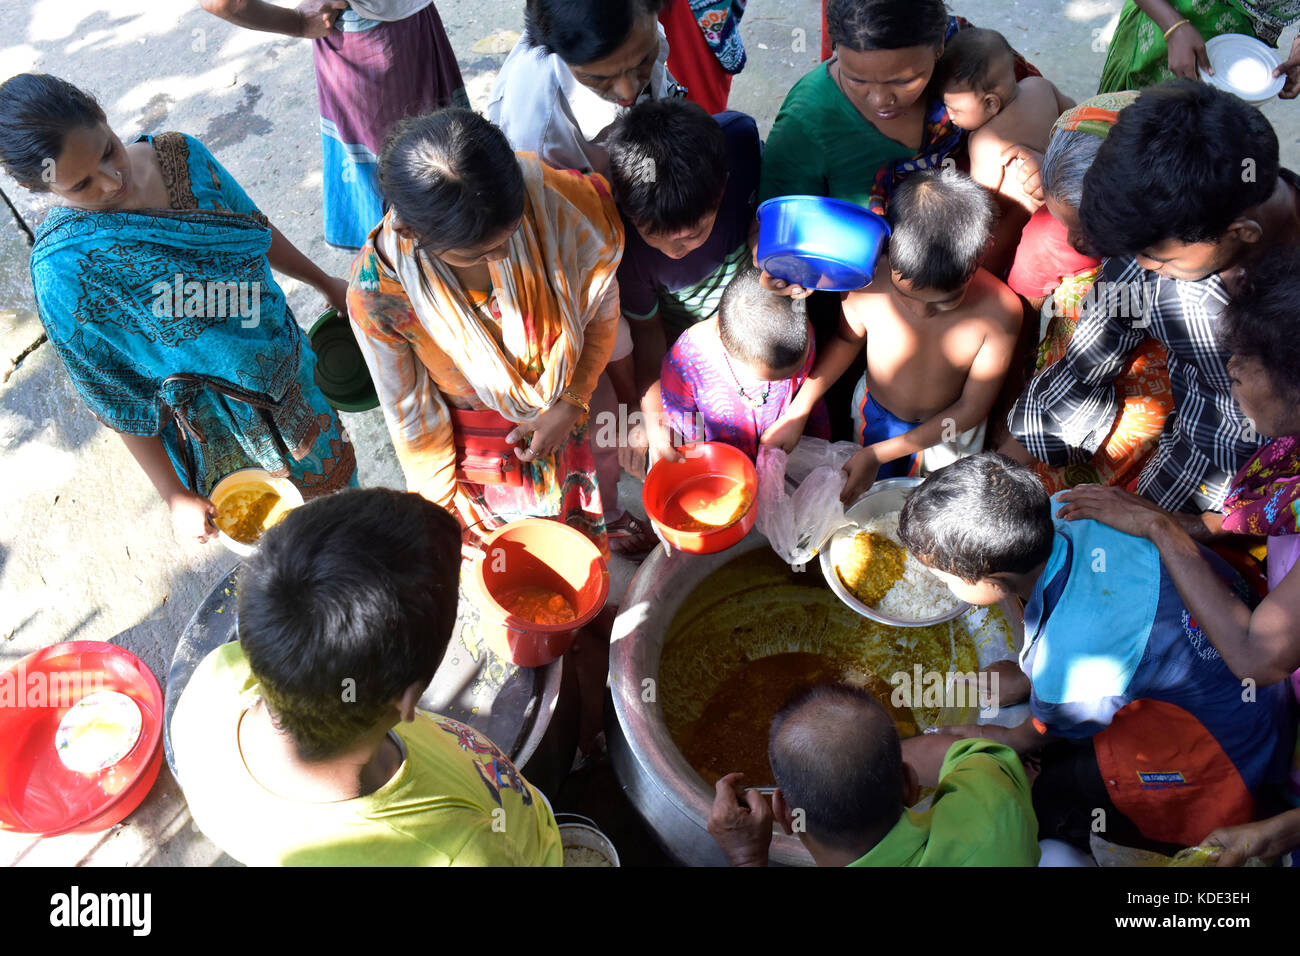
(753, 632)
(243, 513)
(873, 565)
(731, 735)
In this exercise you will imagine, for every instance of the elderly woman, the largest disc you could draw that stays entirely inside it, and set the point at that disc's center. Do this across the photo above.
(153, 282)
(1054, 271)
(486, 305)
(1261, 331)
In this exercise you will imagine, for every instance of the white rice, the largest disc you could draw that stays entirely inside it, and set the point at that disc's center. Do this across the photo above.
(918, 595)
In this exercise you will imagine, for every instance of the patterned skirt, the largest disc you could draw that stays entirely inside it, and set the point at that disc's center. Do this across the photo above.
(1146, 399)
(369, 77)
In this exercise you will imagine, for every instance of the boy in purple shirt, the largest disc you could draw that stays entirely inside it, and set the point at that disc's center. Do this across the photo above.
(687, 186)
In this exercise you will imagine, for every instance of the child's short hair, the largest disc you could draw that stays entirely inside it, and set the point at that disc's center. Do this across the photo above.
(355, 592)
(941, 222)
(667, 164)
(975, 59)
(835, 754)
(1182, 162)
(980, 516)
(759, 327)
(1261, 321)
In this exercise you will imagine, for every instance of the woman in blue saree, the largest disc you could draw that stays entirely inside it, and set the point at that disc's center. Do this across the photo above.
(153, 282)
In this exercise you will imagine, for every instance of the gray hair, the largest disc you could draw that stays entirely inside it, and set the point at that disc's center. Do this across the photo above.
(1069, 156)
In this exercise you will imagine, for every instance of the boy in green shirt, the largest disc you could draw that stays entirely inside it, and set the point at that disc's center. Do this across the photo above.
(844, 781)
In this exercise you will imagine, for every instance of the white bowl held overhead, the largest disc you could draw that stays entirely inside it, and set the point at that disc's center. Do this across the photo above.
(1244, 67)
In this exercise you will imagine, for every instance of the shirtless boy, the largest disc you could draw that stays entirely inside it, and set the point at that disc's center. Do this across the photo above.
(939, 333)
(977, 77)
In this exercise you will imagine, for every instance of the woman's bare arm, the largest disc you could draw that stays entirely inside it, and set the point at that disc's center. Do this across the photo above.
(310, 20)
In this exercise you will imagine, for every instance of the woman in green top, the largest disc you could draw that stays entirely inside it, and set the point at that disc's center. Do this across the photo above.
(1157, 40)
(857, 124)
(865, 110)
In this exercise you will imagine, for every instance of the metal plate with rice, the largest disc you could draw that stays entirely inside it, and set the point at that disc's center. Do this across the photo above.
(882, 499)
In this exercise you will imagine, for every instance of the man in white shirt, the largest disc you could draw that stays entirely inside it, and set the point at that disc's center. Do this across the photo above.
(578, 66)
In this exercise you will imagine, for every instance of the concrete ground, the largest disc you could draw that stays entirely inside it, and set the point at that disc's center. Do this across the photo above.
(86, 548)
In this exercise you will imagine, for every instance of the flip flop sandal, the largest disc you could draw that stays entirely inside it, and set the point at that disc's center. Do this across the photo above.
(635, 538)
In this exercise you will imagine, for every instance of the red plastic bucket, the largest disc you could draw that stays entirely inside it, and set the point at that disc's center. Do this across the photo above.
(709, 470)
(38, 794)
(538, 552)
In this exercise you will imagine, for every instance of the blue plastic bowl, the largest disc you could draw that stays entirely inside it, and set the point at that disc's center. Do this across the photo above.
(819, 243)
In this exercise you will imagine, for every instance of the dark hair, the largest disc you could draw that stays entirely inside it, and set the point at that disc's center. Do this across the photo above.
(667, 164)
(979, 516)
(863, 25)
(583, 31)
(836, 755)
(977, 60)
(1261, 322)
(759, 327)
(452, 177)
(941, 222)
(36, 112)
(1182, 162)
(347, 602)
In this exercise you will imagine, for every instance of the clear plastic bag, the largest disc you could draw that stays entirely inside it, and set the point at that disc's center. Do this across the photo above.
(798, 524)
(813, 453)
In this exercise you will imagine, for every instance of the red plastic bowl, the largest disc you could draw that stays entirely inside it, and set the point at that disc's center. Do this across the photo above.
(38, 794)
(709, 469)
(538, 552)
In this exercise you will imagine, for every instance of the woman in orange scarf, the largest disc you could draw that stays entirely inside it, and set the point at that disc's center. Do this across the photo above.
(486, 305)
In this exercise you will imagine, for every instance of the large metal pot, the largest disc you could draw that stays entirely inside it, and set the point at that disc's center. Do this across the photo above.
(668, 793)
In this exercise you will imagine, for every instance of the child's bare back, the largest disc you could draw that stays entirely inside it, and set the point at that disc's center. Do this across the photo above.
(977, 78)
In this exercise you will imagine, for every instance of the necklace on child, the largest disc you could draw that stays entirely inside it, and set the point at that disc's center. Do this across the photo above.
(745, 397)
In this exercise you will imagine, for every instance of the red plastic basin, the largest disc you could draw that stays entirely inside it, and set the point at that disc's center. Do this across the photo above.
(538, 552)
(38, 794)
(709, 470)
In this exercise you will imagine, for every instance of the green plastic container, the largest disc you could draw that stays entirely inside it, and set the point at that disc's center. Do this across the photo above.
(341, 372)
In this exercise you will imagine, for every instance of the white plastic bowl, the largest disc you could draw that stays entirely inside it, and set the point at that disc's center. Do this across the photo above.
(1243, 66)
(285, 488)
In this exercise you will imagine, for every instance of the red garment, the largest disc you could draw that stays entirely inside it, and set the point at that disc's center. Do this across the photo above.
(691, 60)
(1168, 774)
(1045, 257)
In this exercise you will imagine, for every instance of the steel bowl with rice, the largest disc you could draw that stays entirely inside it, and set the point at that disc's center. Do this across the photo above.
(917, 598)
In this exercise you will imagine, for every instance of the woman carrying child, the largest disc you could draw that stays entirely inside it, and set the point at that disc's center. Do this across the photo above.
(855, 125)
(486, 305)
(153, 282)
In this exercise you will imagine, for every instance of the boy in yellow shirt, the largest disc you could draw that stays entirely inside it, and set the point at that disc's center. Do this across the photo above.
(301, 743)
